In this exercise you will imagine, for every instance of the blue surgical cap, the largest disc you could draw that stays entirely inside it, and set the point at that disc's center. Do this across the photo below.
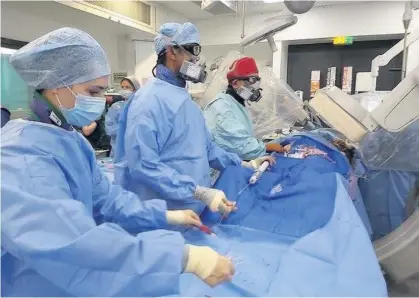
(61, 58)
(174, 33)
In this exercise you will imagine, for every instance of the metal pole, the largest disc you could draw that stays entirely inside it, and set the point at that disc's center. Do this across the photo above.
(271, 43)
(243, 16)
(407, 18)
(405, 52)
(243, 20)
(143, 40)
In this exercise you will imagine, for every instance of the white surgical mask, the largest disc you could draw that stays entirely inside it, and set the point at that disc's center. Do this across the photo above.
(125, 93)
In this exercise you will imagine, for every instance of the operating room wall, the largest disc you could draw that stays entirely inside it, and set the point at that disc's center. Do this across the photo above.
(164, 15)
(27, 20)
(145, 60)
(355, 19)
(373, 20)
(27, 24)
(145, 55)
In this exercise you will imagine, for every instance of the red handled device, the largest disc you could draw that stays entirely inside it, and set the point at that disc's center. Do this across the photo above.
(206, 230)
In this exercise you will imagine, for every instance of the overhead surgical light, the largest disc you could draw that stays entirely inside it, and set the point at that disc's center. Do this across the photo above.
(299, 7)
(269, 31)
(218, 7)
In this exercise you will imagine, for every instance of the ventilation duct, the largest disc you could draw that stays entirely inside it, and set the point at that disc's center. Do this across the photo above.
(219, 7)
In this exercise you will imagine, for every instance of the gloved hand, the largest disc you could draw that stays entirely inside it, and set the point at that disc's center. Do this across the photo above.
(255, 163)
(215, 199)
(287, 148)
(272, 147)
(208, 265)
(183, 217)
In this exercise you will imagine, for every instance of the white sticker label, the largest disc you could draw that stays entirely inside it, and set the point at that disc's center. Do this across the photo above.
(54, 118)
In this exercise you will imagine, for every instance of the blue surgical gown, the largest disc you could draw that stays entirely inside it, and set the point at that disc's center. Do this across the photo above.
(232, 128)
(111, 122)
(52, 196)
(166, 149)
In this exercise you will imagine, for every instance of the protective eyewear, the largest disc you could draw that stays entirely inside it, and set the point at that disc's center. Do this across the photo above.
(193, 49)
(251, 79)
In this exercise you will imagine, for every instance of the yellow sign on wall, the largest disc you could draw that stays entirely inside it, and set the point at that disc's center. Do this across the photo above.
(343, 40)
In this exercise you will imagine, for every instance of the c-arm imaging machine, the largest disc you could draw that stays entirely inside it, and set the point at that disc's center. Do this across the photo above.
(397, 252)
(398, 110)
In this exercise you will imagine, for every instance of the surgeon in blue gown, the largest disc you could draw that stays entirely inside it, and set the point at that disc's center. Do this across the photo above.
(66, 231)
(129, 86)
(166, 150)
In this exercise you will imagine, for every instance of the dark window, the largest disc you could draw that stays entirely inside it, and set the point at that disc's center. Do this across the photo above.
(302, 59)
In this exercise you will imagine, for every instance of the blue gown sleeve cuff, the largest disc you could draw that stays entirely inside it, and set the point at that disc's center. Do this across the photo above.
(160, 216)
(236, 160)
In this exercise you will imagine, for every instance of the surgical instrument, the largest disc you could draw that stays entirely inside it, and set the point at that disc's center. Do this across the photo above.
(258, 172)
(207, 230)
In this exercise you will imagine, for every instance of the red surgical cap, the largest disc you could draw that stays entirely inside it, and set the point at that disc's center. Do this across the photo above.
(242, 68)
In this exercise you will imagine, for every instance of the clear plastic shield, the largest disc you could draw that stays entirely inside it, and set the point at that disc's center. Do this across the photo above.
(217, 81)
(370, 100)
(384, 150)
(279, 108)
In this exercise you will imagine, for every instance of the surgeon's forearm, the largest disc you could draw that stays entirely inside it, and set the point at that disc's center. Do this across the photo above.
(255, 148)
(219, 159)
(135, 215)
(115, 204)
(163, 179)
